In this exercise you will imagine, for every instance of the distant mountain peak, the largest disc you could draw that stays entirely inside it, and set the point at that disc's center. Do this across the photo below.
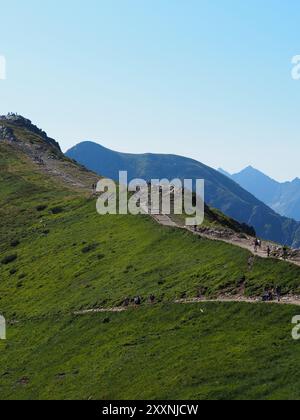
(251, 169)
(254, 172)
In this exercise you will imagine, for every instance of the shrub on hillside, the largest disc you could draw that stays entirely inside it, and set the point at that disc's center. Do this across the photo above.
(41, 207)
(15, 243)
(89, 248)
(57, 210)
(9, 259)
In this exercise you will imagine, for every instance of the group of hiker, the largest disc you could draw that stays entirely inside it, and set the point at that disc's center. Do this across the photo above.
(276, 251)
(137, 301)
(257, 244)
(269, 295)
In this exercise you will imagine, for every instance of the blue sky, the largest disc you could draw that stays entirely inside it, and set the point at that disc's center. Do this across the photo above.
(208, 79)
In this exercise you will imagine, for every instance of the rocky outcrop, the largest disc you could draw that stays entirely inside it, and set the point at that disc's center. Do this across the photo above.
(16, 120)
(219, 233)
(7, 134)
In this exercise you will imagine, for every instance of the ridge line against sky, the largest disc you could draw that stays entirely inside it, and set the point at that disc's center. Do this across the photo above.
(207, 80)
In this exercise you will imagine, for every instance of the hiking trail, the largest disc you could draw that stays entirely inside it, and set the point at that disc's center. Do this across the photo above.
(285, 300)
(245, 243)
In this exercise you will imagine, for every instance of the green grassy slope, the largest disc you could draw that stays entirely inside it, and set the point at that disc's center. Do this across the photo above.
(76, 258)
(59, 256)
(207, 351)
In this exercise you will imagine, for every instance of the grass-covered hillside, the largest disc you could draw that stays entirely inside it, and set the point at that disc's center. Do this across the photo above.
(58, 256)
(207, 351)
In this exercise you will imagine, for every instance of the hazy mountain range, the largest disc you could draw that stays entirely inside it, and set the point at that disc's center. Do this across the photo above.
(221, 192)
(282, 197)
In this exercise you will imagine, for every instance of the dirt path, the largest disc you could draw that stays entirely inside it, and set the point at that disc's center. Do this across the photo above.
(286, 300)
(247, 243)
(164, 220)
(242, 243)
(100, 310)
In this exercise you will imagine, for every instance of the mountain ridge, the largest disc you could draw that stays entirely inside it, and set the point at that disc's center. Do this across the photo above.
(48, 159)
(282, 197)
(221, 192)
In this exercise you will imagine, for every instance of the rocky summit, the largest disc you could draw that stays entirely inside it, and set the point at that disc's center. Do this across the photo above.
(10, 121)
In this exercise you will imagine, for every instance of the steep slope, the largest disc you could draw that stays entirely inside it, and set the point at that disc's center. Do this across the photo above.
(220, 192)
(284, 198)
(43, 153)
(58, 257)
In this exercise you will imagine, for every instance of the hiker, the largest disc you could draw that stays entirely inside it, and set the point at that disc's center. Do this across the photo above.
(267, 296)
(137, 300)
(94, 189)
(269, 251)
(278, 293)
(152, 299)
(259, 243)
(285, 253)
(126, 302)
(256, 245)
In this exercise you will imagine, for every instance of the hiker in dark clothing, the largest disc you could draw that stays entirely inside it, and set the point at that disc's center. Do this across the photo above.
(268, 296)
(126, 302)
(256, 244)
(152, 299)
(285, 253)
(278, 293)
(269, 251)
(137, 300)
